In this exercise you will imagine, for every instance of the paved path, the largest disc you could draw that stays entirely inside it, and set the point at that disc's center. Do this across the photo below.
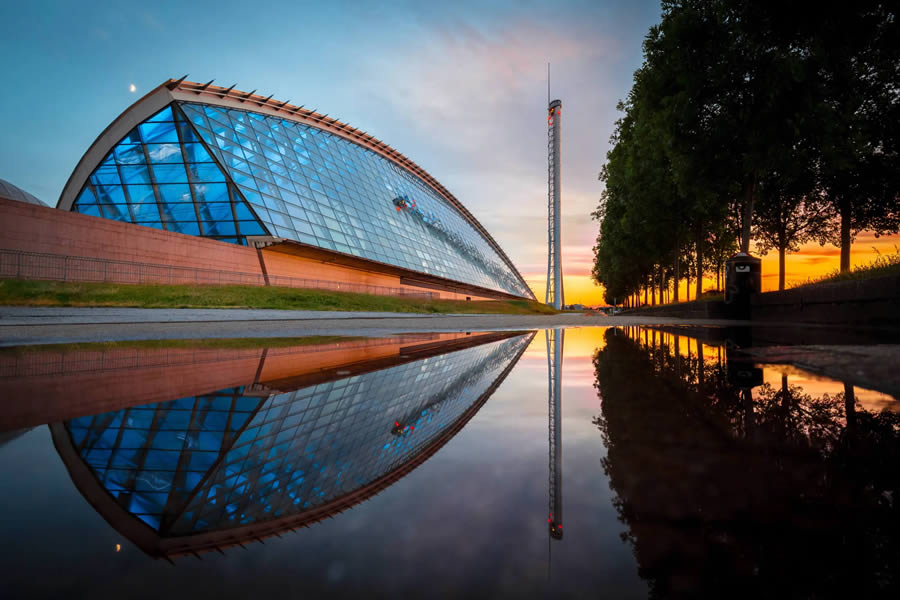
(27, 325)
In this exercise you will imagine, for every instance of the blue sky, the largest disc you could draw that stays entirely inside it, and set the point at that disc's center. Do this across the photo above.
(458, 87)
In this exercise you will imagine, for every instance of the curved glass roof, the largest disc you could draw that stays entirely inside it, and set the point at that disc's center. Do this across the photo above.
(228, 173)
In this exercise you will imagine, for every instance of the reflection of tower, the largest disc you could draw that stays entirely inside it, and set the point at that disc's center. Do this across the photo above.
(555, 339)
(554, 251)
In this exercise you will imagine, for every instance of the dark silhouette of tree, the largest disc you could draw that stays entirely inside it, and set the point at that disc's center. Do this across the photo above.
(805, 507)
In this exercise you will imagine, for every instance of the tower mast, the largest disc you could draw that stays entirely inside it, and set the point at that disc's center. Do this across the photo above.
(555, 295)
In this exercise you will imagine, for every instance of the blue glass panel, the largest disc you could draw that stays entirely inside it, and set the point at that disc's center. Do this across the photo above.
(174, 193)
(163, 115)
(171, 173)
(164, 153)
(133, 137)
(86, 197)
(130, 155)
(112, 194)
(215, 211)
(178, 212)
(242, 212)
(196, 153)
(205, 172)
(117, 212)
(135, 174)
(252, 228)
(145, 212)
(155, 133)
(141, 193)
(218, 228)
(106, 175)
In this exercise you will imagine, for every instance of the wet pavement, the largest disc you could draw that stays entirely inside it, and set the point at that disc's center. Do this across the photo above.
(623, 462)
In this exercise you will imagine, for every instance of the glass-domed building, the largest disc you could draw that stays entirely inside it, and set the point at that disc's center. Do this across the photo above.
(244, 169)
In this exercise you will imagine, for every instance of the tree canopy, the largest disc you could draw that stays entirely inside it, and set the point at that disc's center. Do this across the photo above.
(750, 121)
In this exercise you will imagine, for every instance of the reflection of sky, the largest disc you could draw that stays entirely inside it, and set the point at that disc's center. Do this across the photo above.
(470, 522)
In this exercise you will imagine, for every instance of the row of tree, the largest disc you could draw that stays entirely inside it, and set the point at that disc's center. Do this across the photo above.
(750, 121)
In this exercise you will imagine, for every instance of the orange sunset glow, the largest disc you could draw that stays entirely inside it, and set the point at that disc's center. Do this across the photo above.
(811, 262)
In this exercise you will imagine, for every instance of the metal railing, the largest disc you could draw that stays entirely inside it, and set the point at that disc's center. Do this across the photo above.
(16, 264)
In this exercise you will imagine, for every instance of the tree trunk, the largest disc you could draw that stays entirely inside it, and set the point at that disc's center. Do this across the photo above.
(781, 252)
(747, 217)
(645, 295)
(699, 243)
(677, 278)
(845, 235)
(687, 289)
(662, 285)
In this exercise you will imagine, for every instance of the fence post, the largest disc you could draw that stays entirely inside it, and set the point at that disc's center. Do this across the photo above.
(19, 265)
(66, 269)
(140, 273)
(105, 273)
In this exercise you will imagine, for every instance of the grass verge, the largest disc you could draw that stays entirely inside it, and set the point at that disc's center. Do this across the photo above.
(17, 292)
(884, 265)
(189, 344)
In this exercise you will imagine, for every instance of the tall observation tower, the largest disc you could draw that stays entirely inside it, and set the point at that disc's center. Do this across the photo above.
(554, 254)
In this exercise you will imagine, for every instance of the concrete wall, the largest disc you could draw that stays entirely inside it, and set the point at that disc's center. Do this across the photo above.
(870, 302)
(40, 229)
(863, 302)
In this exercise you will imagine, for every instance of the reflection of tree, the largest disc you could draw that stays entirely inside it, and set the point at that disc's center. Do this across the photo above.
(806, 506)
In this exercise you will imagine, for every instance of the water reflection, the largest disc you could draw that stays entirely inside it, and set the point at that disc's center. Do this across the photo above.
(309, 432)
(729, 485)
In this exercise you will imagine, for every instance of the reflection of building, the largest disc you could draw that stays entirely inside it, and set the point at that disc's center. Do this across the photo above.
(221, 468)
(321, 197)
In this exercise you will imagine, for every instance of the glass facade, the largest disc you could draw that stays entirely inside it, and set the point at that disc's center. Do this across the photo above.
(234, 458)
(227, 173)
(160, 175)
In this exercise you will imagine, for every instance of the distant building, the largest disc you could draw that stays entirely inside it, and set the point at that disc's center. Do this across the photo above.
(13, 192)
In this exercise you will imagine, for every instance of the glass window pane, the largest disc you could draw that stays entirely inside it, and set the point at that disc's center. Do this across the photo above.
(110, 194)
(145, 212)
(170, 173)
(163, 115)
(174, 193)
(196, 153)
(106, 175)
(219, 228)
(164, 153)
(135, 174)
(155, 133)
(205, 172)
(141, 193)
(130, 155)
(211, 192)
(251, 228)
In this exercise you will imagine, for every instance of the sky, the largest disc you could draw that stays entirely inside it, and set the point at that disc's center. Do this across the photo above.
(459, 87)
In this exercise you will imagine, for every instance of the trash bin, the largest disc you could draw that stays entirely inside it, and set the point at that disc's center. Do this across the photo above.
(743, 278)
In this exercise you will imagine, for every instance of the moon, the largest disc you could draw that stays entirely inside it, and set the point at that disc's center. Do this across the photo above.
(132, 88)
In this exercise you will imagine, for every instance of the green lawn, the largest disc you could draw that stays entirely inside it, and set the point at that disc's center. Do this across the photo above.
(15, 292)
